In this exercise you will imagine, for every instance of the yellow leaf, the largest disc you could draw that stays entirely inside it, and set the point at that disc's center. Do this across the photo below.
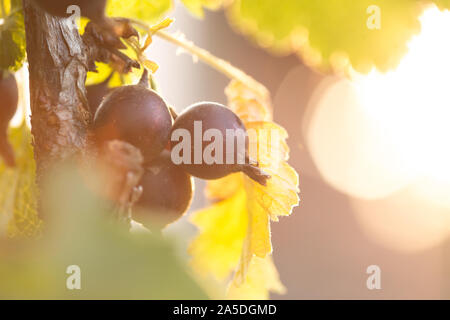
(223, 227)
(246, 104)
(234, 234)
(224, 188)
(255, 289)
(103, 72)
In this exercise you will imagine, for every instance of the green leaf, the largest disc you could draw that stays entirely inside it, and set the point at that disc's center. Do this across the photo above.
(18, 214)
(145, 10)
(115, 264)
(12, 38)
(196, 6)
(328, 34)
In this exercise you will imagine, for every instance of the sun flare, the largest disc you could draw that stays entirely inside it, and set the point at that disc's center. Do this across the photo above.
(384, 140)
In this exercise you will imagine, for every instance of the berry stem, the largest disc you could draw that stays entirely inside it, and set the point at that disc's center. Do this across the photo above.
(144, 82)
(256, 174)
(219, 64)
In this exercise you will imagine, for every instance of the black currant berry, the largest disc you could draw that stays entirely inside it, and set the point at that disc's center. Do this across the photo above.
(137, 115)
(204, 122)
(96, 93)
(9, 95)
(92, 9)
(167, 193)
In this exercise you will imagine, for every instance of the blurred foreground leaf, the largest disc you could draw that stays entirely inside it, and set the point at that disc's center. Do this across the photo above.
(196, 6)
(331, 34)
(114, 263)
(146, 10)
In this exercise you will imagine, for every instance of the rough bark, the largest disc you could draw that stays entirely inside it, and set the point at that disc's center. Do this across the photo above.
(58, 65)
(59, 59)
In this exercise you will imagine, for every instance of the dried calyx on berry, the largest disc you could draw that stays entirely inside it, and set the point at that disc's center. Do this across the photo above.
(8, 106)
(137, 115)
(167, 193)
(203, 124)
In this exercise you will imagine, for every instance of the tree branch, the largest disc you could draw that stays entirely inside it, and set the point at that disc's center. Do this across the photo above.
(59, 59)
(58, 64)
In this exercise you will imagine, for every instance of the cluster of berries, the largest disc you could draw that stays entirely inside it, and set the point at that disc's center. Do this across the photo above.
(138, 115)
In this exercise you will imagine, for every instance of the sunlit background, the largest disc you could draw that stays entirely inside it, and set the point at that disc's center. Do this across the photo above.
(373, 155)
(386, 137)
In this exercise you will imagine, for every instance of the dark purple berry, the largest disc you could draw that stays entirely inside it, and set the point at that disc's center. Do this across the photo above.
(137, 115)
(222, 120)
(167, 193)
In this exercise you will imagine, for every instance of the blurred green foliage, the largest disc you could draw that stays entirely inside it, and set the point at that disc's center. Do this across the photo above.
(334, 26)
(114, 263)
(146, 10)
(196, 6)
(333, 29)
